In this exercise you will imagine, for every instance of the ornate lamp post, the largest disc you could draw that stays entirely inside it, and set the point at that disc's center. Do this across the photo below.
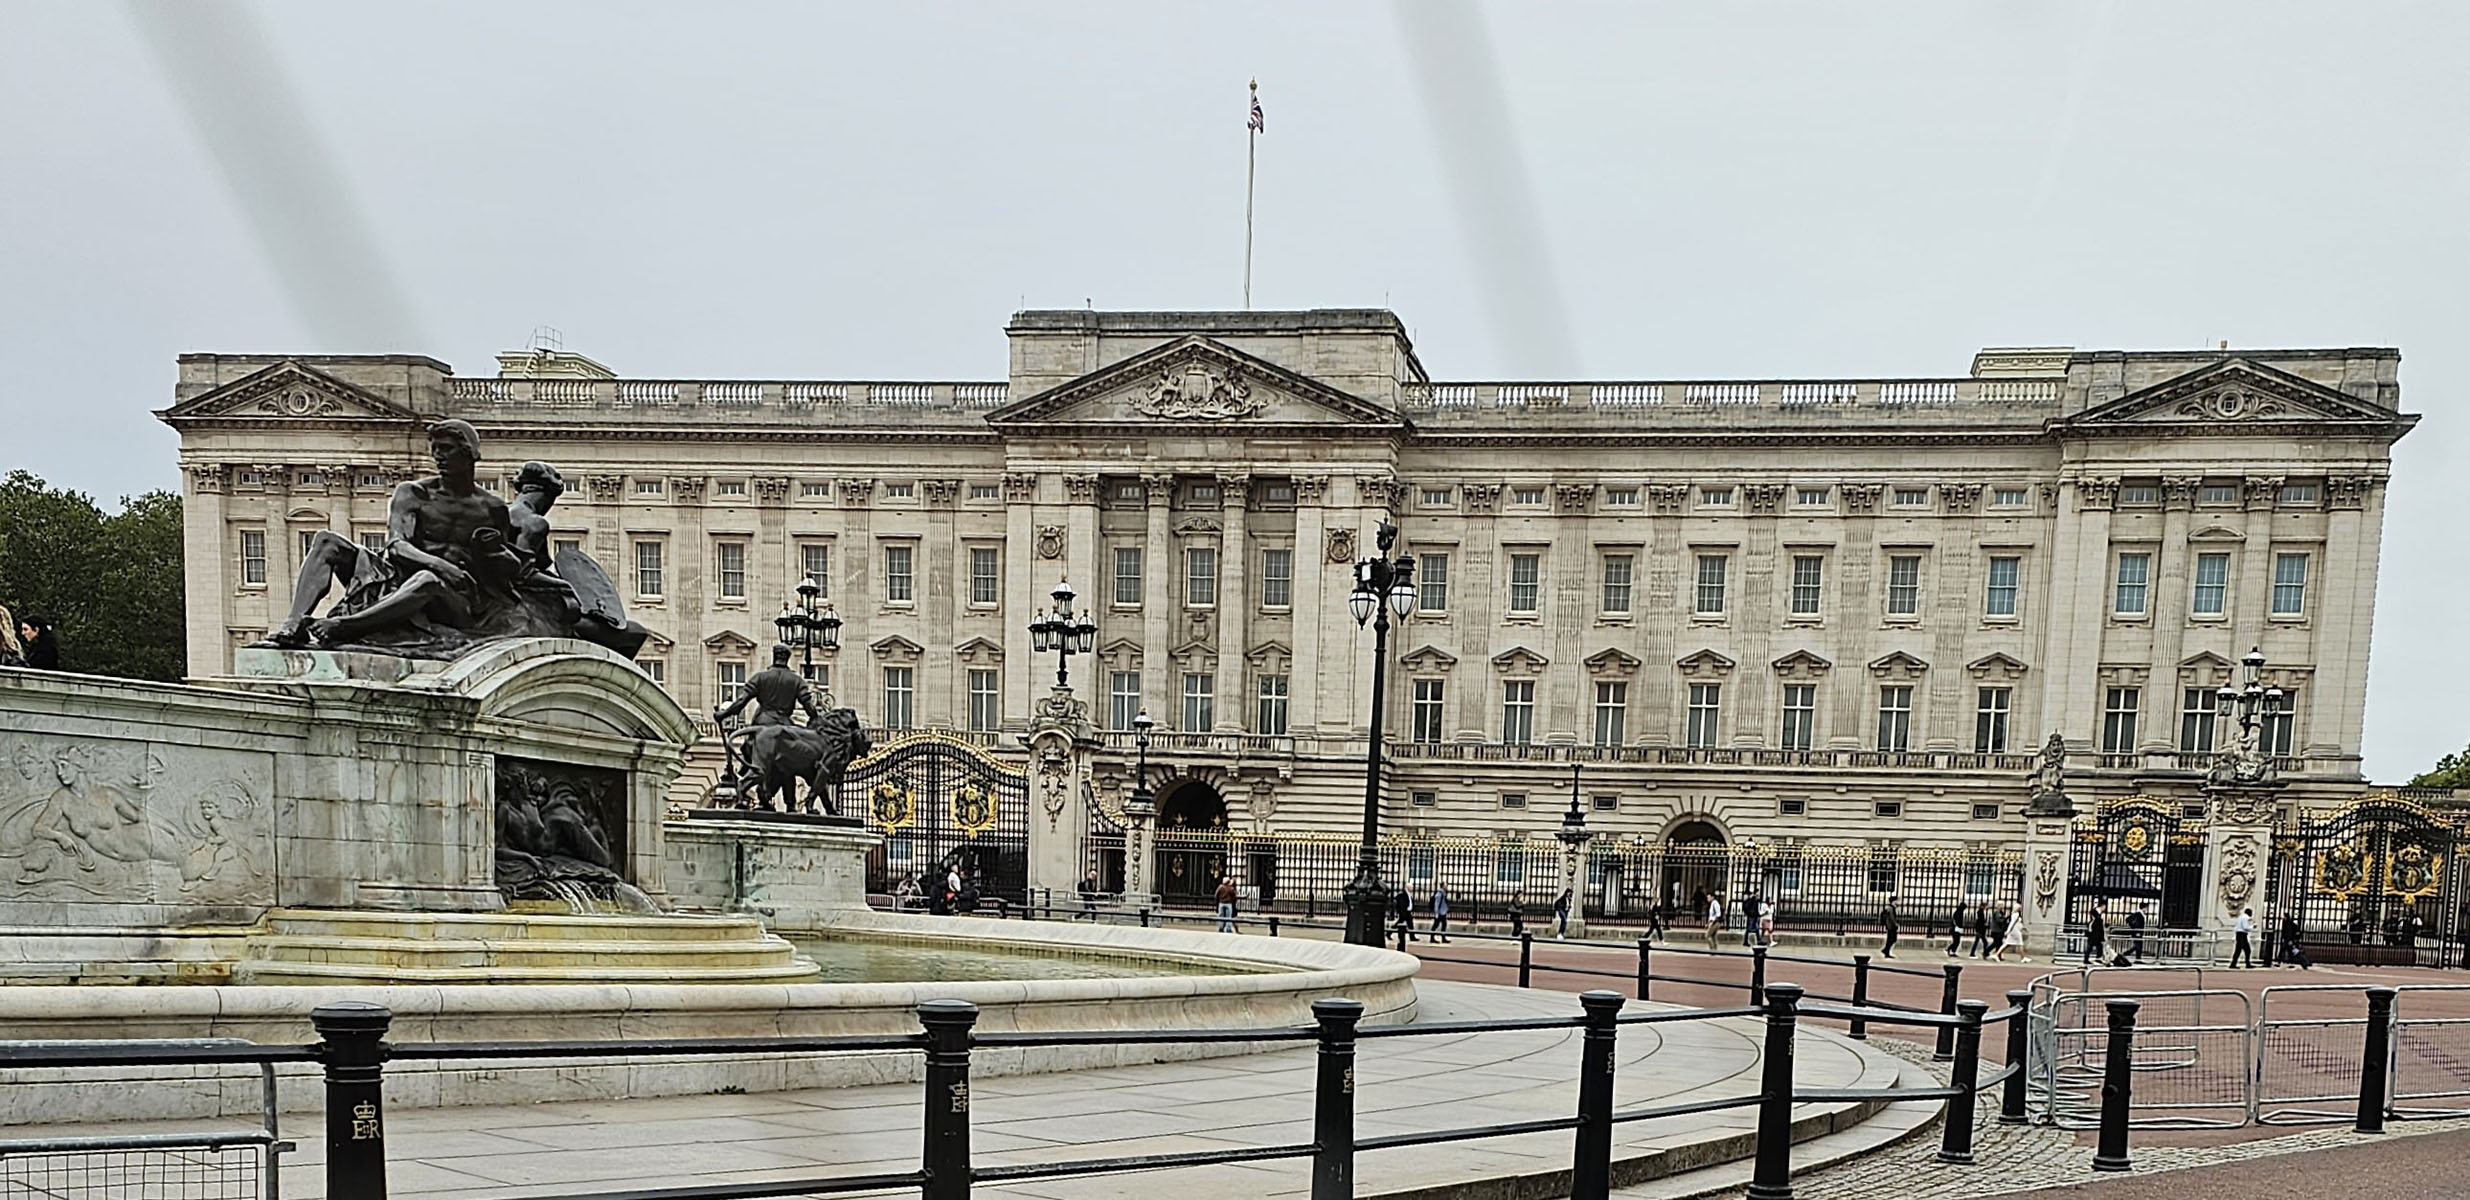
(1377, 579)
(807, 627)
(1139, 807)
(1062, 636)
(1574, 836)
(2251, 705)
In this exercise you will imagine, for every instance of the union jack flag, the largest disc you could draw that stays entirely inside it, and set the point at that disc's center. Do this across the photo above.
(1255, 123)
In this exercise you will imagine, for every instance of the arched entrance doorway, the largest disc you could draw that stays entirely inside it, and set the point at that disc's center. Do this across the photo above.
(1697, 860)
(1191, 845)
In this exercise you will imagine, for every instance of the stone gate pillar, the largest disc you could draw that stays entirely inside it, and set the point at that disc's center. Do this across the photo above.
(2238, 841)
(1061, 745)
(2049, 832)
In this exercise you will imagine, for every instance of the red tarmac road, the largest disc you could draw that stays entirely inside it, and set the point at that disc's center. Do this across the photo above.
(2426, 1167)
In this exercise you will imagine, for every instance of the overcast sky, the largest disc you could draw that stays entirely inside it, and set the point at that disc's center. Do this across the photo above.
(1618, 190)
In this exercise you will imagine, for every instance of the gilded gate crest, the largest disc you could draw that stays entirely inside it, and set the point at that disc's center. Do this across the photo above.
(890, 805)
(973, 809)
(2340, 871)
(2414, 872)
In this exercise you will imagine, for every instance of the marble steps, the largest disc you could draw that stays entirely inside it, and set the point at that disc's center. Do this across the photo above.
(326, 947)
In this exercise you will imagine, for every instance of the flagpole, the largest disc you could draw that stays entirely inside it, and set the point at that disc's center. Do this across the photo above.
(1252, 152)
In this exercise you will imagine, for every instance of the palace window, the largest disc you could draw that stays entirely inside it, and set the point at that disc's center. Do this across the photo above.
(985, 575)
(1424, 799)
(2009, 497)
(985, 705)
(1711, 568)
(2217, 493)
(1903, 585)
(984, 491)
(1200, 702)
(1990, 708)
(2006, 575)
(253, 557)
(1800, 715)
(374, 541)
(729, 566)
(1526, 495)
(1432, 583)
(733, 487)
(1278, 493)
(1895, 717)
(2298, 493)
(1617, 583)
(899, 578)
(1426, 726)
(2119, 706)
(899, 491)
(2289, 585)
(2212, 590)
(728, 679)
(2196, 712)
(811, 489)
(1525, 582)
(648, 572)
(2279, 726)
(1911, 497)
(1604, 802)
(900, 698)
(1123, 699)
(1436, 497)
(1277, 578)
(1621, 497)
(815, 562)
(656, 669)
(1887, 808)
(648, 487)
(1612, 701)
(2135, 571)
(1715, 497)
(1986, 810)
(1272, 721)
(1809, 574)
(1706, 706)
(2139, 495)
(1518, 711)
(1811, 497)
(1128, 576)
(1200, 577)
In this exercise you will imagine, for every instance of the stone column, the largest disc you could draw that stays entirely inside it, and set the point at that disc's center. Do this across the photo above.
(1573, 878)
(2238, 840)
(1024, 587)
(209, 553)
(2049, 822)
(1158, 594)
(1234, 604)
(1061, 745)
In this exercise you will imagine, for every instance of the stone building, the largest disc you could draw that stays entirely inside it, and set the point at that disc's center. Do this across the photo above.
(1824, 613)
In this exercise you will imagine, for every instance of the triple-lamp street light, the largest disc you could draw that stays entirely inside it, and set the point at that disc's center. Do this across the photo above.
(1376, 578)
(2250, 704)
(805, 626)
(1061, 635)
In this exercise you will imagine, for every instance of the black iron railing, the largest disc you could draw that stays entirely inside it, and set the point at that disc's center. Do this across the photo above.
(352, 1050)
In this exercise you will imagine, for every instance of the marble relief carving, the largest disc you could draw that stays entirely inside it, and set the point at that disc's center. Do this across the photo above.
(1050, 541)
(131, 822)
(1197, 391)
(1341, 546)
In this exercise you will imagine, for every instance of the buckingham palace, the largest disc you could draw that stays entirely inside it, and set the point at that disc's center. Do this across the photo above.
(1831, 614)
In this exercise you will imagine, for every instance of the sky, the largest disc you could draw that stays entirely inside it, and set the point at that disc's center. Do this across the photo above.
(1608, 190)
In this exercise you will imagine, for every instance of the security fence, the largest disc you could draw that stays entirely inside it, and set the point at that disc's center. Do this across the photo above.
(353, 1053)
(233, 1164)
(1832, 889)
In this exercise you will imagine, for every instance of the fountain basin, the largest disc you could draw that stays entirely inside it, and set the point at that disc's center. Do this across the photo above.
(1274, 984)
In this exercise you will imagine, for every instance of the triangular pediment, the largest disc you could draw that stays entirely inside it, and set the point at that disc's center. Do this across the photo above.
(1898, 665)
(1705, 662)
(894, 648)
(979, 651)
(728, 641)
(2232, 392)
(1996, 666)
(1193, 380)
(1428, 658)
(1801, 664)
(288, 391)
(1269, 652)
(1611, 662)
(1518, 660)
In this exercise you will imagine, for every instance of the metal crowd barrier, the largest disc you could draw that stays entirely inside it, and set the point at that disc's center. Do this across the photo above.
(237, 1164)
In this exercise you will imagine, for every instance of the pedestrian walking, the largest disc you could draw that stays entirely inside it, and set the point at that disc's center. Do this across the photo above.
(1955, 931)
(2135, 934)
(2290, 949)
(2095, 933)
(1886, 918)
(1402, 906)
(1715, 919)
(1440, 912)
(1749, 919)
(1981, 931)
(1226, 904)
(1655, 923)
(1560, 914)
(2243, 930)
(2012, 938)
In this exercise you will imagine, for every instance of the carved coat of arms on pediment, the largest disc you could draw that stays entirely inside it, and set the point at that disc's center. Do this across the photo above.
(1197, 391)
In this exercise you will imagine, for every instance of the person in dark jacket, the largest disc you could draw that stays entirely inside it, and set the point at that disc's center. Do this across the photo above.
(1981, 931)
(42, 643)
(2096, 932)
(1886, 917)
(2135, 934)
(1402, 907)
(2290, 950)
(1955, 931)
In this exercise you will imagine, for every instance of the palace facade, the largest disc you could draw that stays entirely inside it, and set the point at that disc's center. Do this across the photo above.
(1831, 613)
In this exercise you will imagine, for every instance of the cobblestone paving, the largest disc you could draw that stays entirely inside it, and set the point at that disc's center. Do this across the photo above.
(2023, 1158)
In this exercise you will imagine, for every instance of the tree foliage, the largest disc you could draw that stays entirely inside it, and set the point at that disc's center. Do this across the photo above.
(111, 582)
(2450, 771)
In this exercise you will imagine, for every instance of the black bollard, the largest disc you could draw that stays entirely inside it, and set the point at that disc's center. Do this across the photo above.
(1526, 957)
(2011, 1099)
(1758, 977)
(2375, 1076)
(947, 1023)
(1771, 1174)
(351, 1042)
(1590, 1171)
(1946, 1008)
(1642, 968)
(1859, 1029)
(2117, 1088)
(1955, 1143)
(1333, 1100)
